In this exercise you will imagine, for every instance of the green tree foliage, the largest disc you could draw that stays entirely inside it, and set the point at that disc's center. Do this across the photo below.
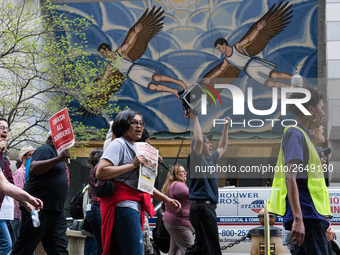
(42, 69)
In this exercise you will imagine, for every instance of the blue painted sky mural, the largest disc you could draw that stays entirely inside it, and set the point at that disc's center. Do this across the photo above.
(184, 50)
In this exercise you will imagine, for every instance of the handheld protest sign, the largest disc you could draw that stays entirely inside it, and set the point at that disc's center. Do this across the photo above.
(62, 133)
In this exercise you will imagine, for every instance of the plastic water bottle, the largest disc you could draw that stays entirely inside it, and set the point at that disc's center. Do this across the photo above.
(35, 218)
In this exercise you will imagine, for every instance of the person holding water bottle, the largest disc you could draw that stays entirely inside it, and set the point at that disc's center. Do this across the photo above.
(48, 180)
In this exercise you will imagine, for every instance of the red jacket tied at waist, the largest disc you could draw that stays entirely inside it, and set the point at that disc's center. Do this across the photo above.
(107, 209)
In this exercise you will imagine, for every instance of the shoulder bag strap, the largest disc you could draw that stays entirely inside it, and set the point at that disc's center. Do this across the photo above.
(131, 171)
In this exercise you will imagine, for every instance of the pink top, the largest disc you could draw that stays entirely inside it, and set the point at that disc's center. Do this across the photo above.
(19, 181)
(180, 192)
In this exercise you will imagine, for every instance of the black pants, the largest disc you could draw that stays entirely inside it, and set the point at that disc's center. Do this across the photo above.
(315, 242)
(203, 219)
(51, 232)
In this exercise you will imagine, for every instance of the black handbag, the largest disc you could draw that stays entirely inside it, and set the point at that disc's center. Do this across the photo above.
(161, 236)
(76, 204)
(102, 189)
(106, 188)
(86, 227)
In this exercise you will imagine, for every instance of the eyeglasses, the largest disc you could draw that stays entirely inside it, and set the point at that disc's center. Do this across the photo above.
(5, 128)
(137, 123)
(321, 155)
(182, 171)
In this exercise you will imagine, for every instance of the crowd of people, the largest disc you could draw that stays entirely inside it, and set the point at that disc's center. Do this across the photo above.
(117, 221)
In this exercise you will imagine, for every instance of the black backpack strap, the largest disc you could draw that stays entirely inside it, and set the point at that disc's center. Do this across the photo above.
(4, 159)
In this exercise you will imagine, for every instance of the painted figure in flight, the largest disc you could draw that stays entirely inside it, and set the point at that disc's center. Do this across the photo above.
(121, 65)
(240, 56)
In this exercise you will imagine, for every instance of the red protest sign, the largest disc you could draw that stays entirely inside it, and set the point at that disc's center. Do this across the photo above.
(61, 130)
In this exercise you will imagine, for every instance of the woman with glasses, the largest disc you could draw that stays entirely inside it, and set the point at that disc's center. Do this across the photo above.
(123, 212)
(178, 223)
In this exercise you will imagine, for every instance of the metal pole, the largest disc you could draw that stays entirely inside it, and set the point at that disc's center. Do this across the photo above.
(266, 228)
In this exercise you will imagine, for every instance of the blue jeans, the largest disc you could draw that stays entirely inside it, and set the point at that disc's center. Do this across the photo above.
(127, 231)
(90, 247)
(5, 239)
(95, 220)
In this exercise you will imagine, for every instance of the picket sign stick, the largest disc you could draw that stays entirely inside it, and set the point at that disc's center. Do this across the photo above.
(266, 228)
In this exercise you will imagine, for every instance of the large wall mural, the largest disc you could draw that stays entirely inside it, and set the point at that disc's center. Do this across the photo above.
(164, 46)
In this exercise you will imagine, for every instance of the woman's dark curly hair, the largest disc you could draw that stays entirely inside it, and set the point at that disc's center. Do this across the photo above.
(315, 98)
(94, 157)
(121, 124)
(18, 163)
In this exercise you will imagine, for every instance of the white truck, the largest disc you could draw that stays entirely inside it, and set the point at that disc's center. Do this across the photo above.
(237, 212)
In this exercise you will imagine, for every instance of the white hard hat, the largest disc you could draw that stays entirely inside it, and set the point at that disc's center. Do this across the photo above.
(24, 150)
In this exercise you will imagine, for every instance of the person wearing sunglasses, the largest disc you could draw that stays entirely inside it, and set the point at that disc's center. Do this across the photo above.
(323, 154)
(123, 212)
(178, 224)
